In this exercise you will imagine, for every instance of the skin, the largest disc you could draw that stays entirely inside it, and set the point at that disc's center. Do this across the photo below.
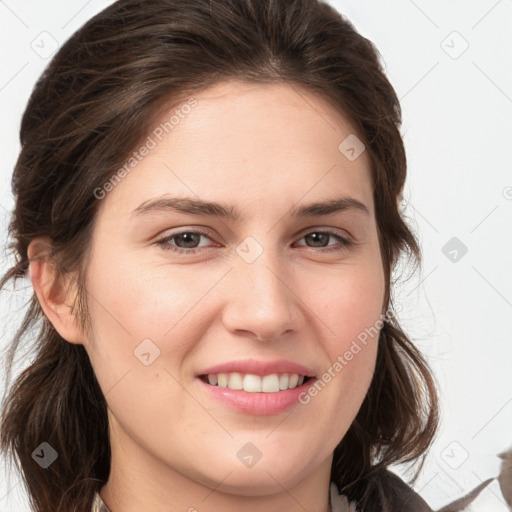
(265, 149)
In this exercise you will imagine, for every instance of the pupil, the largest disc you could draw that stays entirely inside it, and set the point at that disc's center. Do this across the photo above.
(317, 237)
(190, 236)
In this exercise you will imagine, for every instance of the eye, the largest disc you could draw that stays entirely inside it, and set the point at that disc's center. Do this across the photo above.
(185, 241)
(189, 242)
(319, 238)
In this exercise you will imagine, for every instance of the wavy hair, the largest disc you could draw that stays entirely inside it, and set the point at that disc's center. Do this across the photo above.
(91, 107)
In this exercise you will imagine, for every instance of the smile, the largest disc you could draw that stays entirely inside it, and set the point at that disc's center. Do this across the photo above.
(252, 383)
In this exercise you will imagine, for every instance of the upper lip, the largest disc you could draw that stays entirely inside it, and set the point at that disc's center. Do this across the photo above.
(257, 367)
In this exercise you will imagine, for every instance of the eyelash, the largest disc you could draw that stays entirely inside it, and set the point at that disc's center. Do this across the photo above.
(164, 242)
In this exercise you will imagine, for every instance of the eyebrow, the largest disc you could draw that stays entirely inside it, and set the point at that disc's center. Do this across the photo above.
(230, 212)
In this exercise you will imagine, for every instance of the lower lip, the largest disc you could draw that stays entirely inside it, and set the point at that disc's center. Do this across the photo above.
(259, 404)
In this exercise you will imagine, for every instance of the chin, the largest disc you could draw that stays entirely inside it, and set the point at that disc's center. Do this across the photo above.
(259, 482)
(266, 476)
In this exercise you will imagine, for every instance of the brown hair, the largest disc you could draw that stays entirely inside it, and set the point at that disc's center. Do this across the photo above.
(93, 104)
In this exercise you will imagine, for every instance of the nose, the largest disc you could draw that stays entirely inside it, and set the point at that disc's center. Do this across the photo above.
(261, 300)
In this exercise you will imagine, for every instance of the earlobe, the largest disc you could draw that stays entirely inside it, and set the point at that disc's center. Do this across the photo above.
(55, 293)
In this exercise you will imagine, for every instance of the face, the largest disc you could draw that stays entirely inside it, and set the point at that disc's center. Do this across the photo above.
(263, 294)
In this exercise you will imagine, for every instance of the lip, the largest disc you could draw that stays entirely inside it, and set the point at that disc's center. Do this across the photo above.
(258, 367)
(257, 404)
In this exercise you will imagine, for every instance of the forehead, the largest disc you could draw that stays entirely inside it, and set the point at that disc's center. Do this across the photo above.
(261, 144)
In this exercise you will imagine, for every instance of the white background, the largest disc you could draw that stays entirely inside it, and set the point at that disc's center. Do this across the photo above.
(457, 108)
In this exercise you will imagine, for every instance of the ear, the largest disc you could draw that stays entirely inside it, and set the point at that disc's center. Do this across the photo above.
(56, 293)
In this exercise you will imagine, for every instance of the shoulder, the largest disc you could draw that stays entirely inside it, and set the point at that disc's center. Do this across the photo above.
(392, 493)
(401, 496)
(98, 505)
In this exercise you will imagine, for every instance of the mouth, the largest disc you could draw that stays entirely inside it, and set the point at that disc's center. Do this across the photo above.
(252, 383)
(257, 387)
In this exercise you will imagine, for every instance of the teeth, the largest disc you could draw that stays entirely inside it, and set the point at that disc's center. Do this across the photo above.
(270, 383)
(255, 383)
(235, 381)
(252, 383)
(222, 380)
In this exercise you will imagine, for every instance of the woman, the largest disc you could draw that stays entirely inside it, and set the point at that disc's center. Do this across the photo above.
(207, 206)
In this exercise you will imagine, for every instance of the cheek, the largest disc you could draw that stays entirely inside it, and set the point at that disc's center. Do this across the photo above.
(139, 307)
(349, 306)
(144, 299)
